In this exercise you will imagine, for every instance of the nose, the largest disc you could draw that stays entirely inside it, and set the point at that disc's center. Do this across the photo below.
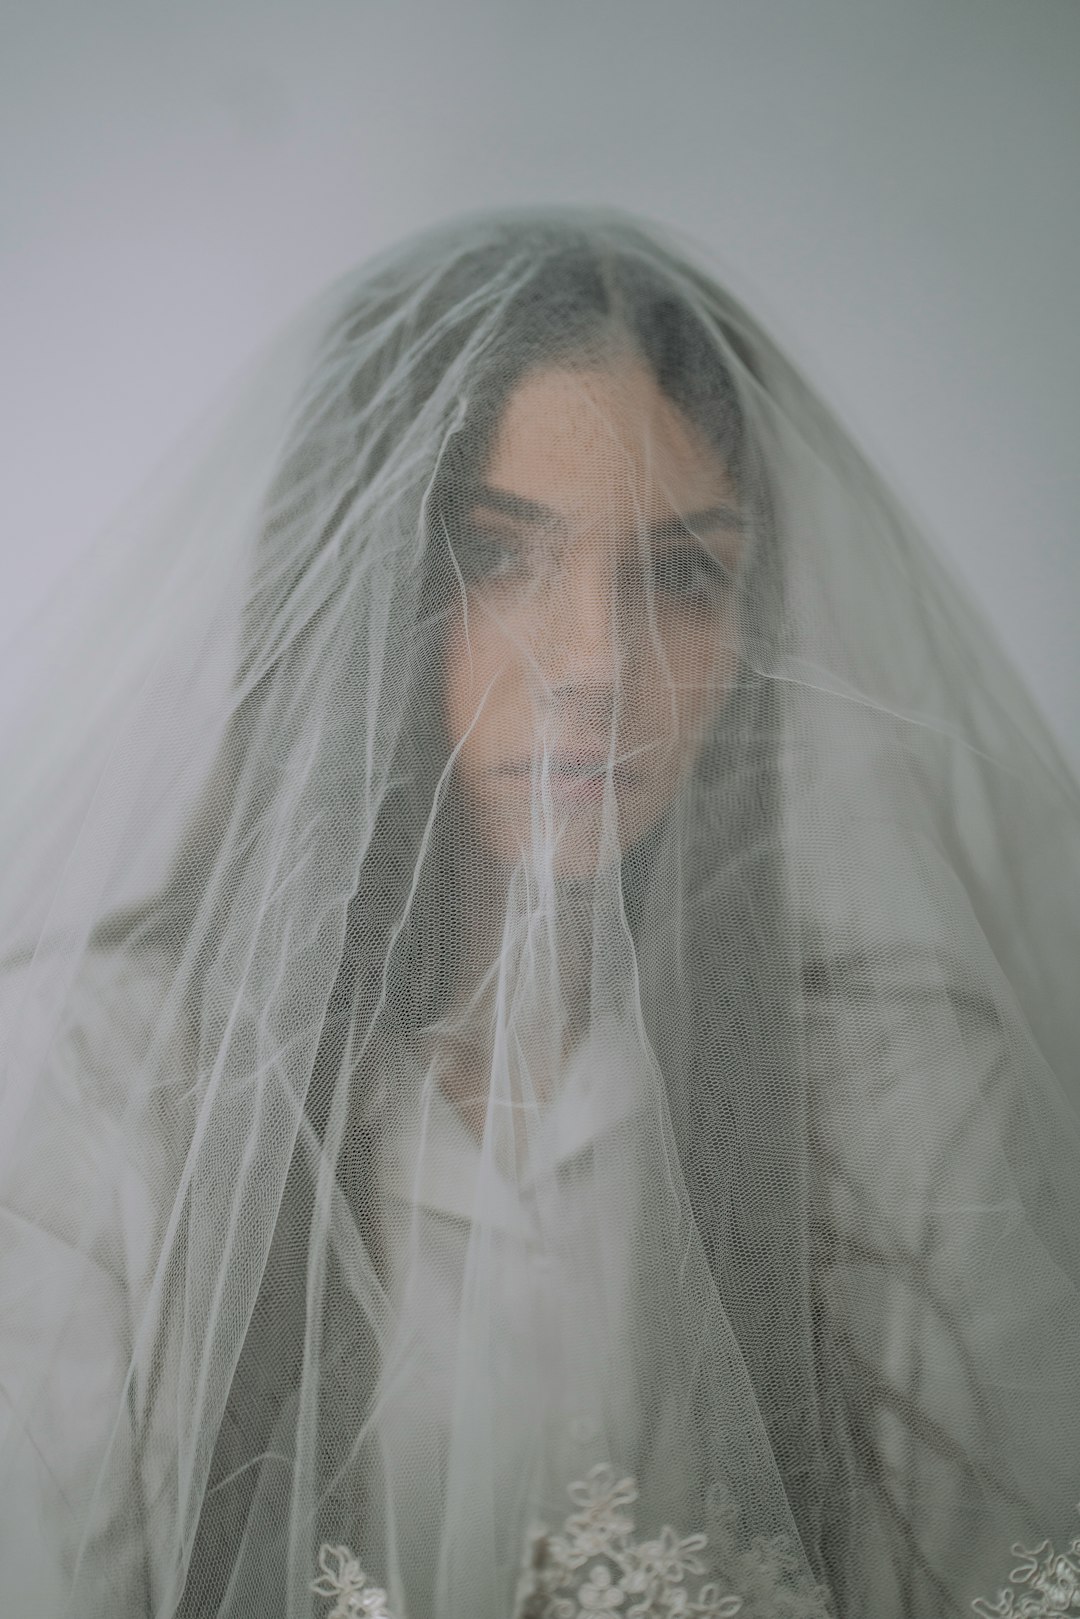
(582, 645)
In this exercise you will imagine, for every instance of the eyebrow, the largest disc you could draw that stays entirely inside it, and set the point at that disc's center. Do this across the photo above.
(532, 511)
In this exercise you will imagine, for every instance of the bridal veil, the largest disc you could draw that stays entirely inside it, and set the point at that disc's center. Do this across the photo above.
(539, 1018)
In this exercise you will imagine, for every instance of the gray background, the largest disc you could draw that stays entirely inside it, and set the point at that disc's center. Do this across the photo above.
(891, 185)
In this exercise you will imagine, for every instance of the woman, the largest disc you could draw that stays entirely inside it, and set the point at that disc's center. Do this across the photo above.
(541, 1071)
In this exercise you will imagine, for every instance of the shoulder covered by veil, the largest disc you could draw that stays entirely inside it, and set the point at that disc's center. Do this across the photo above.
(538, 1030)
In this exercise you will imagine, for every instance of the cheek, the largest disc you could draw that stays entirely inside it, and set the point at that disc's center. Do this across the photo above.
(675, 682)
(479, 683)
(685, 679)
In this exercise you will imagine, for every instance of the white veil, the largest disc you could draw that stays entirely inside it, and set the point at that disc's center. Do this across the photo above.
(659, 1197)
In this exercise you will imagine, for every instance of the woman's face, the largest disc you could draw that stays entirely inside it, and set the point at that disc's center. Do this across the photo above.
(594, 634)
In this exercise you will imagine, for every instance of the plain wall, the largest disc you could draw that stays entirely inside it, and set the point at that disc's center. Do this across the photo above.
(891, 185)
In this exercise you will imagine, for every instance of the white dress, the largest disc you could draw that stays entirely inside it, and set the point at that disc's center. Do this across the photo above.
(80, 1224)
(535, 1410)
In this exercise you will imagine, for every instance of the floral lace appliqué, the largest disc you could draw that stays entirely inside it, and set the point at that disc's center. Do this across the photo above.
(596, 1567)
(1044, 1585)
(342, 1578)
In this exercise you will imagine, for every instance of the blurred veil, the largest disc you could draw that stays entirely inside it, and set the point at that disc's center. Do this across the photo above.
(641, 1176)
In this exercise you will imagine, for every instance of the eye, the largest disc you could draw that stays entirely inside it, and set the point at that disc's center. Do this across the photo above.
(484, 554)
(686, 573)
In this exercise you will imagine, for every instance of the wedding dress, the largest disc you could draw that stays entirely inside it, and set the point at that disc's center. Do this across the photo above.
(538, 1021)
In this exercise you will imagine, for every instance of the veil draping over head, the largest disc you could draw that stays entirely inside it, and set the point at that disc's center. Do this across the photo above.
(539, 1020)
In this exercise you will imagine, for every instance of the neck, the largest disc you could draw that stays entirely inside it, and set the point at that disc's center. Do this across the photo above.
(526, 979)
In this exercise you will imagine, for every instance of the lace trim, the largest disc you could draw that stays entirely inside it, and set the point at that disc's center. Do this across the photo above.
(343, 1579)
(1045, 1584)
(631, 1579)
(596, 1567)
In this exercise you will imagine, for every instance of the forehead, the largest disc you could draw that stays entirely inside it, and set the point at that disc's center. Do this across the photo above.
(583, 439)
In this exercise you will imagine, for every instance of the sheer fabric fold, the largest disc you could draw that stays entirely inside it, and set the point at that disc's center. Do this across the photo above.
(632, 1169)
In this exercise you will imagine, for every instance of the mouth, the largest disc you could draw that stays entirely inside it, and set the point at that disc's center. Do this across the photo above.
(576, 775)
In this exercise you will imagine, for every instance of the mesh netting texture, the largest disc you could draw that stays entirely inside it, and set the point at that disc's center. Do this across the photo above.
(538, 1020)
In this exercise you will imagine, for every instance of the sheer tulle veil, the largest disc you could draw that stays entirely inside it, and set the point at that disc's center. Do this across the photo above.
(637, 1172)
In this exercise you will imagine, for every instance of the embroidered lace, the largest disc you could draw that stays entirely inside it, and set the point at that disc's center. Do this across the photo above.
(1045, 1584)
(595, 1565)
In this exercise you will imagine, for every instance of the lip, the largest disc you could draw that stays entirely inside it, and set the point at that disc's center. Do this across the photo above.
(579, 777)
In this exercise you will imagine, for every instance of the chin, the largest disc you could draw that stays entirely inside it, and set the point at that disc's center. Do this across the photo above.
(577, 847)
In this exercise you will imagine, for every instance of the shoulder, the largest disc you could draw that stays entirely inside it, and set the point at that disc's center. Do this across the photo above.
(80, 1201)
(96, 1012)
(82, 1151)
(903, 1049)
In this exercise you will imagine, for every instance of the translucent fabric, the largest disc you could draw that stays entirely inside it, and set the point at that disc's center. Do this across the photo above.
(539, 1024)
